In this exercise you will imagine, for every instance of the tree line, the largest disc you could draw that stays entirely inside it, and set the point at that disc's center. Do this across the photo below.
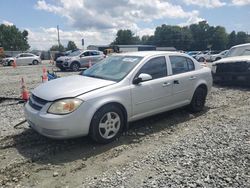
(199, 36)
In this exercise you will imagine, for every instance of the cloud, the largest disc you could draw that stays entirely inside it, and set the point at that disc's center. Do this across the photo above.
(241, 2)
(5, 22)
(44, 38)
(103, 14)
(97, 21)
(206, 3)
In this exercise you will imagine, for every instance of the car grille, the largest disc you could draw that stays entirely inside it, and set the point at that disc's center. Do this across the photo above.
(236, 67)
(59, 62)
(36, 102)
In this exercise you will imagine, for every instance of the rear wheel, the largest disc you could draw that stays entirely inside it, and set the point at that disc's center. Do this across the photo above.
(198, 101)
(107, 124)
(35, 62)
(75, 66)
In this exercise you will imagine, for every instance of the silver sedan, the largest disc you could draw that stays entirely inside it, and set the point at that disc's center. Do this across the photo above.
(120, 89)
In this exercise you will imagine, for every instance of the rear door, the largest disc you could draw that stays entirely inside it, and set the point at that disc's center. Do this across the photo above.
(184, 79)
(152, 96)
(95, 56)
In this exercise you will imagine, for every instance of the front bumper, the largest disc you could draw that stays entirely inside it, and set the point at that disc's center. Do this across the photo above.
(232, 78)
(70, 125)
(62, 64)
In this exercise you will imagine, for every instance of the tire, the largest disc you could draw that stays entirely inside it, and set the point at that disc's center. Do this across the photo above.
(198, 101)
(75, 66)
(35, 62)
(201, 59)
(10, 63)
(107, 124)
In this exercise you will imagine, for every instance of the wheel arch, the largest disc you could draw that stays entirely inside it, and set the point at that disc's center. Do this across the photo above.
(119, 105)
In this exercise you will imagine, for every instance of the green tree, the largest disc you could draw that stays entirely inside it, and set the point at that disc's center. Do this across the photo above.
(219, 38)
(57, 48)
(11, 38)
(241, 37)
(71, 46)
(232, 39)
(147, 40)
(201, 35)
(125, 37)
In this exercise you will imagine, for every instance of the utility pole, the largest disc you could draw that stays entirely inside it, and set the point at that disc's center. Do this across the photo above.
(58, 37)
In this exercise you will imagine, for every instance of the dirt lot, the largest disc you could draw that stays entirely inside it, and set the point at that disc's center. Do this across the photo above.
(174, 149)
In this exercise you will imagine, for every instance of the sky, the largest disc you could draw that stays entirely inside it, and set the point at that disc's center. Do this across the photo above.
(97, 21)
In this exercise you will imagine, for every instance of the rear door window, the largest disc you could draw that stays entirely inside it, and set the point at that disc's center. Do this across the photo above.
(181, 64)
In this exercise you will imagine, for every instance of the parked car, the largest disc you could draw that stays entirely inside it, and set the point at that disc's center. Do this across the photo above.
(121, 89)
(205, 56)
(235, 67)
(23, 59)
(219, 56)
(194, 53)
(79, 59)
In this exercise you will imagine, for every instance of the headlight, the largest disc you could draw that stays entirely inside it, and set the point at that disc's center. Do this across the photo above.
(64, 106)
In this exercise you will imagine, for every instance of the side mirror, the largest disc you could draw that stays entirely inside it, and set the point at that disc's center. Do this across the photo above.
(141, 78)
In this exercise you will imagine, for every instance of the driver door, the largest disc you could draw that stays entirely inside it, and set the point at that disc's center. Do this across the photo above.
(84, 59)
(152, 96)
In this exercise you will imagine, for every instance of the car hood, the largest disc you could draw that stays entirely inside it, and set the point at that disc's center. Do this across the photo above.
(232, 59)
(8, 58)
(70, 86)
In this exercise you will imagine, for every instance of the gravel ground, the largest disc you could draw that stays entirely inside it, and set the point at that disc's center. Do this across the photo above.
(173, 149)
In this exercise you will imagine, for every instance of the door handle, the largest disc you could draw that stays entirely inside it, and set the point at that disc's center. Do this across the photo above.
(192, 78)
(165, 84)
(176, 82)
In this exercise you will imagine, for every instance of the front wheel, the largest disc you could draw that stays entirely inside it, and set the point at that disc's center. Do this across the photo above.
(201, 59)
(10, 63)
(75, 66)
(198, 101)
(107, 124)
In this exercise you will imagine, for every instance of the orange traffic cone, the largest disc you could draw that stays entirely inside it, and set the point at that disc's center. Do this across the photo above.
(14, 63)
(44, 76)
(25, 92)
(90, 63)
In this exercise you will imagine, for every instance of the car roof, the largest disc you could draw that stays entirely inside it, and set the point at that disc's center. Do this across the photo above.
(241, 45)
(150, 53)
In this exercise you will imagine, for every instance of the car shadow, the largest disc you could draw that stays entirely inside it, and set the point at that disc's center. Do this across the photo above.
(42, 150)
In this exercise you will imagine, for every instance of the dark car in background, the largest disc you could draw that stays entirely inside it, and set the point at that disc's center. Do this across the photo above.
(235, 68)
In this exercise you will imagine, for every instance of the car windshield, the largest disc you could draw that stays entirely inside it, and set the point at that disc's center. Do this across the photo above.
(113, 68)
(75, 53)
(239, 51)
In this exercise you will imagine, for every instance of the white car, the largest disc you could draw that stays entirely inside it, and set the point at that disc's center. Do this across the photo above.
(121, 89)
(206, 56)
(219, 56)
(22, 59)
(79, 59)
